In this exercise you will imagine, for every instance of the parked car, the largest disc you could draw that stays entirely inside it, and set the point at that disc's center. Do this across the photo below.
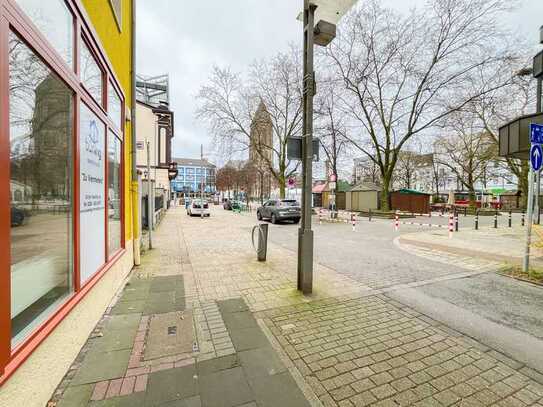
(197, 207)
(17, 216)
(230, 205)
(227, 204)
(280, 210)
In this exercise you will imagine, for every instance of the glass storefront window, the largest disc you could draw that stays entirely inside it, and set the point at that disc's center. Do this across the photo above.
(55, 21)
(40, 114)
(114, 193)
(114, 106)
(91, 74)
(91, 193)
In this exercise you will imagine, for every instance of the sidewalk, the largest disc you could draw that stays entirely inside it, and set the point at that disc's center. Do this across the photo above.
(202, 323)
(502, 245)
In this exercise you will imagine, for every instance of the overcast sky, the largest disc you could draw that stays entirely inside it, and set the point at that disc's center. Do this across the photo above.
(184, 38)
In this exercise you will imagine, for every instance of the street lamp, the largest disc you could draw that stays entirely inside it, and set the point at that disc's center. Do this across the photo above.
(327, 13)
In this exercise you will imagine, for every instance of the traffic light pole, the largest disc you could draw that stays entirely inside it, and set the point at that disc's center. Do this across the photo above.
(305, 234)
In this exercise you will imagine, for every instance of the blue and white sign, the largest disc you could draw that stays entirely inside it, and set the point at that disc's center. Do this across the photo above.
(536, 133)
(536, 156)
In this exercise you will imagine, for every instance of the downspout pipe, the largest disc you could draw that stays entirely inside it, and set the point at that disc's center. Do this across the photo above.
(134, 178)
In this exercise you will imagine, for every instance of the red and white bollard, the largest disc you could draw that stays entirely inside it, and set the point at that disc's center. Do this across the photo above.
(451, 225)
(353, 221)
(320, 216)
(396, 223)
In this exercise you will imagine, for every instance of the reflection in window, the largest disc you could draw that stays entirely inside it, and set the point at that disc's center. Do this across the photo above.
(55, 21)
(114, 193)
(114, 106)
(91, 75)
(40, 114)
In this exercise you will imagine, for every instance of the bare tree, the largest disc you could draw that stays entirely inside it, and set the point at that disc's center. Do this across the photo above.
(466, 152)
(406, 73)
(331, 125)
(229, 101)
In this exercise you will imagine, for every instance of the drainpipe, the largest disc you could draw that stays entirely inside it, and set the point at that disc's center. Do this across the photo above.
(134, 180)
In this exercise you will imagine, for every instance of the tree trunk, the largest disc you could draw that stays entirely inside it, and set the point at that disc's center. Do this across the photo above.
(523, 184)
(385, 187)
(282, 185)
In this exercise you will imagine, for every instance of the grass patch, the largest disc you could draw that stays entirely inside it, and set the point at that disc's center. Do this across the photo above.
(533, 276)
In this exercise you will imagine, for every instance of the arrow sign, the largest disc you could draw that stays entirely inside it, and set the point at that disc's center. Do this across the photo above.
(536, 155)
(536, 133)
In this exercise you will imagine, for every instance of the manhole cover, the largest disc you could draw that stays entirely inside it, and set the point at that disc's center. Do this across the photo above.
(169, 335)
(172, 330)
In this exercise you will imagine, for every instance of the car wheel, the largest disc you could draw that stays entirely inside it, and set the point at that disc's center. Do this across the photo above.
(258, 215)
(296, 221)
(273, 219)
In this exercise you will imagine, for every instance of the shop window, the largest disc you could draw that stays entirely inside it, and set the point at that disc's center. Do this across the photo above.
(55, 21)
(114, 193)
(91, 74)
(92, 191)
(40, 109)
(114, 107)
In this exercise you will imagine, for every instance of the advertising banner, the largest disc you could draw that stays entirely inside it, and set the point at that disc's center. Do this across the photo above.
(91, 193)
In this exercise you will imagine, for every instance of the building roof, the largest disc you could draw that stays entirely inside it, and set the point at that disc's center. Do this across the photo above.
(366, 186)
(411, 192)
(193, 162)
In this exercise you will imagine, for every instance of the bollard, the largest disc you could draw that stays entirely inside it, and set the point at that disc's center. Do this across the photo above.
(465, 211)
(510, 220)
(320, 216)
(262, 249)
(477, 219)
(353, 222)
(396, 222)
(450, 225)
(522, 219)
(496, 219)
(455, 221)
(369, 215)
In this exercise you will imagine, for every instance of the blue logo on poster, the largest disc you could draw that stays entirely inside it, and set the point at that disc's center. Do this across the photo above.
(536, 156)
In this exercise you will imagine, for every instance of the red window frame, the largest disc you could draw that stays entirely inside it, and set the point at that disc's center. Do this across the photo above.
(13, 19)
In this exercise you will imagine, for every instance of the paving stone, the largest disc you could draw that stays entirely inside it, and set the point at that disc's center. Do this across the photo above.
(76, 396)
(132, 400)
(115, 339)
(122, 322)
(260, 362)
(225, 388)
(171, 384)
(277, 390)
(248, 338)
(128, 307)
(217, 364)
(384, 391)
(169, 335)
(232, 305)
(99, 366)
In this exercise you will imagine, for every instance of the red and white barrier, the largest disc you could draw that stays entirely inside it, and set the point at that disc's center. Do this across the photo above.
(353, 221)
(396, 222)
(451, 225)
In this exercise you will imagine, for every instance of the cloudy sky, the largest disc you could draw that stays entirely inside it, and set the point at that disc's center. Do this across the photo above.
(184, 38)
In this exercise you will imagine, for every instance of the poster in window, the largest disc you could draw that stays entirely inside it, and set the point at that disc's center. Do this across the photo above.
(92, 193)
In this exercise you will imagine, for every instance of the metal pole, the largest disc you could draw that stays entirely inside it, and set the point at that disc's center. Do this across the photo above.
(305, 234)
(496, 219)
(538, 174)
(477, 219)
(149, 207)
(202, 182)
(510, 220)
(526, 260)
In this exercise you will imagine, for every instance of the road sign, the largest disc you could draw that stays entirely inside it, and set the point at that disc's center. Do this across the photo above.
(536, 133)
(536, 156)
(332, 185)
(291, 182)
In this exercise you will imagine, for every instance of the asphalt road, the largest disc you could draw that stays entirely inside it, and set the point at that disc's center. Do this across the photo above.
(501, 311)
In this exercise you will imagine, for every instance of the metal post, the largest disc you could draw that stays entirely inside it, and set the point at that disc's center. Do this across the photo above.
(526, 260)
(202, 182)
(369, 215)
(496, 219)
(456, 221)
(305, 234)
(149, 207)
(477, 219)
(522, 219)
(510, 220)
(538, 174)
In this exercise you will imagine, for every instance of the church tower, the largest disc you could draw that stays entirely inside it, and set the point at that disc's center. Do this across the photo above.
(260, 149)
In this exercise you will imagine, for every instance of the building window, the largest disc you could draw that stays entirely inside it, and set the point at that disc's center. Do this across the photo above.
(92, 191)
(40, 111)
(114, 193)
(114, 107)
(55, 21)
(91, 74)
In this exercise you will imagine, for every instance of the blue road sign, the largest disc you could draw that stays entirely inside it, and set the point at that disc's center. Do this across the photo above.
(536, 156)
(536, 133)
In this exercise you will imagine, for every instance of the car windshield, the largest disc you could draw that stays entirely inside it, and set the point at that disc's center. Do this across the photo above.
(288, 203)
